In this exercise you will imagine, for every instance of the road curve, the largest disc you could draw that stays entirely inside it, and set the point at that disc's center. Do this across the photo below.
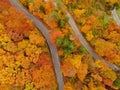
(83, 40)
(44, 30)
(86, 44)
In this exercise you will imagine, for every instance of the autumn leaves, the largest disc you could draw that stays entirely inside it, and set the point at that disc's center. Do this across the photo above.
(21, 47)
(94, 24)
(28, 64)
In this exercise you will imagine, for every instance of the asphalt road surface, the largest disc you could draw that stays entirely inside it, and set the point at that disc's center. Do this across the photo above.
(83, 40)
(44, 30)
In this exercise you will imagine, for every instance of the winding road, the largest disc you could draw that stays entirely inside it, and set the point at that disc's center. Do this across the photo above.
(86, 44)
(44, 30)
(83, 40)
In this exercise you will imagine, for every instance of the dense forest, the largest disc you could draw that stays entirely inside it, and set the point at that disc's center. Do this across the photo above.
(25, 58)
